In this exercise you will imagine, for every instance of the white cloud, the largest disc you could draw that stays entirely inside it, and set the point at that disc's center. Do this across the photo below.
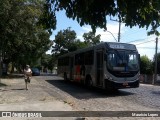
(86, 29)
(83, 30)
(110, 35)
(147, 46)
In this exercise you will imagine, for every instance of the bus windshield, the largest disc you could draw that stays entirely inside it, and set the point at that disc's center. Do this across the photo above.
(118, 60)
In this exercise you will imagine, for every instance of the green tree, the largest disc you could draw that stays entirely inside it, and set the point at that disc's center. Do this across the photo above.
(48, 61)
(143, 13)
(64, 41)
(23, 35)
(91, 39)
(80, 44)
(146, 66)
(45, 60)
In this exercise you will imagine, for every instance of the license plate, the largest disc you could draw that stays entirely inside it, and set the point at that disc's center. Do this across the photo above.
(125, 83)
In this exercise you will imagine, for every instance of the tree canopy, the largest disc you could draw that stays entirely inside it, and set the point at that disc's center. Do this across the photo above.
(143, 13)
(146, 66)
(64, 41)
(91, 39)
(23, 35)
(48, 61)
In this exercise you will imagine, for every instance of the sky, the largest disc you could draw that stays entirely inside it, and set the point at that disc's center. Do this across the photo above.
(134, 35)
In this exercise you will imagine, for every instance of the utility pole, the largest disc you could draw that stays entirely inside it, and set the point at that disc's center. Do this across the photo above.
(0, 66)
(119, 32)
(155, 69)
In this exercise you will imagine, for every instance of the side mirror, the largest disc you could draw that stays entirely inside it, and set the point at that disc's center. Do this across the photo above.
(139, 59)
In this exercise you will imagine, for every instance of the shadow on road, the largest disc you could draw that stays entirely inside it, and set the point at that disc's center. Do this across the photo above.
(156, 92)
(12, 76)
(2, 90)
(1, 85)
(48, 74)
(81, 92)
(17, 76)
(19, 89)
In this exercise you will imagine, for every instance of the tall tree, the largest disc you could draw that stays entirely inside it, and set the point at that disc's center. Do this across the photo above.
(146, 66)
(64, 41)
(91, 39)
(23, 35)
(143, 13)
(48, 61)
(80, 44)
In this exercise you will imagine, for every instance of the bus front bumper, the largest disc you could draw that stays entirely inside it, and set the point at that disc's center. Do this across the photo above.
(114, 85)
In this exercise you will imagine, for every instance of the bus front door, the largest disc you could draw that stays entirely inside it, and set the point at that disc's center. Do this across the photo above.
(99, 67)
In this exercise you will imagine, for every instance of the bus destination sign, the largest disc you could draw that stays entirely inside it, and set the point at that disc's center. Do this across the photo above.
(116, 46)
(122, 46)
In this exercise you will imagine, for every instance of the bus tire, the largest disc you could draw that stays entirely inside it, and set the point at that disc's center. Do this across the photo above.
(65, 77)
(88, 81)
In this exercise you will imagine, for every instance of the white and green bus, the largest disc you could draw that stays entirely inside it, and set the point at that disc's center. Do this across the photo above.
(108, 65)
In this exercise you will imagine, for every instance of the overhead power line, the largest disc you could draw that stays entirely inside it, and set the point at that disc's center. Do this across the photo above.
(140, 39)
(136, 40)
(145, 42)
(146, 47)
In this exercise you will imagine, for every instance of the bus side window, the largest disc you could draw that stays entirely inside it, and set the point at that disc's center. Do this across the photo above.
(63, 61)
(59, 62)
(76, 60)
(79, 59)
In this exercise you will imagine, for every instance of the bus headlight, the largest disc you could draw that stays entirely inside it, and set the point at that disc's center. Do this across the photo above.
(108, 77)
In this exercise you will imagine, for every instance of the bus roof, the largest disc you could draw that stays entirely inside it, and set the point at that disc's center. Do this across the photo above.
(107, 45)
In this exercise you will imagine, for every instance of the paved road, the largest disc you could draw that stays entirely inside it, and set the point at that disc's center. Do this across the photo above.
(48, 91)
(144, 98)
(14, 97)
